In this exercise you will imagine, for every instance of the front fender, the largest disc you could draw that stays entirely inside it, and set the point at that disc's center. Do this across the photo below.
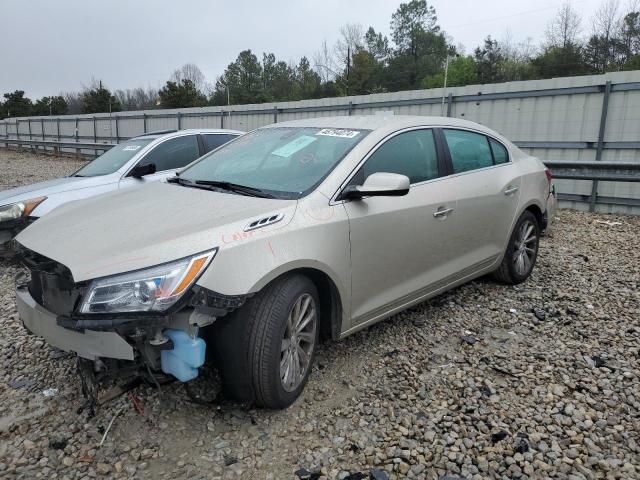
(316, 238)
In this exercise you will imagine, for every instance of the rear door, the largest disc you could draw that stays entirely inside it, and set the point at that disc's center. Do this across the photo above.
(168, 156)
(487, 186)
(398, 246)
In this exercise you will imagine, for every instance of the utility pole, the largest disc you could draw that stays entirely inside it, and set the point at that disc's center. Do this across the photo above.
(348, 66)
(110, 126)
(444, 88)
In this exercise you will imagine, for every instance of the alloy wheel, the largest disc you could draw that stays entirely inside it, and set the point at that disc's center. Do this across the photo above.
(298, 342)
(525, 249)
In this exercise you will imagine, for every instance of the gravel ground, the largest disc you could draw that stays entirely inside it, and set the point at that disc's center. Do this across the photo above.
(472, 384)
(19, 168)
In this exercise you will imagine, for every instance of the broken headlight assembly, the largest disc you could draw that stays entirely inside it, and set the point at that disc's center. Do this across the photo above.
(15, 211)
(152, 289)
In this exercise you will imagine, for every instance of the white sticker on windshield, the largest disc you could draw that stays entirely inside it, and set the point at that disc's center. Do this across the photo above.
(294, 146)
(334, 132)
(131, 148)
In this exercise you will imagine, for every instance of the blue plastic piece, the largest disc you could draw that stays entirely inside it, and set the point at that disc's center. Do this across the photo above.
(186, 357)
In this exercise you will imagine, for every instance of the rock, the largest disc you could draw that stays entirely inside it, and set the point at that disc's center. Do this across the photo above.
(28, 444)
(540, 314)
(304, 474)
(378, 474)
(146, 453)
(103, 468)
(522, 446)
(498, 436)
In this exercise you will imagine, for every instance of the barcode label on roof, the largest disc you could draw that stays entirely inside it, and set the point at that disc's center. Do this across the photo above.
(334, 132)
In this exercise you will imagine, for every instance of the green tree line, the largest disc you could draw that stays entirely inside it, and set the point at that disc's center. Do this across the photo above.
(416, 55)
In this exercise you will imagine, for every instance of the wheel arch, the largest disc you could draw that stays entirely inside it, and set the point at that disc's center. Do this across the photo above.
(537, 212)
(332, 296)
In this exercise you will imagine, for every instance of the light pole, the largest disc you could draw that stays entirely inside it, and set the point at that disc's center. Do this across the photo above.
(444, 88)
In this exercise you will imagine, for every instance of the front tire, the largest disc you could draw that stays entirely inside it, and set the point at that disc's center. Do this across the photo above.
(265, 350)
(522, 251)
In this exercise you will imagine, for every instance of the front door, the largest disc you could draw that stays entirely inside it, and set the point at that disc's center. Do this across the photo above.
(398, 246)
(168, 157)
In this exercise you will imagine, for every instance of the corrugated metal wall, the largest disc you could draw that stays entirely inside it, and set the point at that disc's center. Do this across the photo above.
(556, 119)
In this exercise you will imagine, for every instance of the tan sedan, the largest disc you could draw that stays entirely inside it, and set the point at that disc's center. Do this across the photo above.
(291, 233)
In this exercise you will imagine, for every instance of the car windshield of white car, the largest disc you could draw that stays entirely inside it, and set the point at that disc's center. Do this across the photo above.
(113, 159)
(284, 162)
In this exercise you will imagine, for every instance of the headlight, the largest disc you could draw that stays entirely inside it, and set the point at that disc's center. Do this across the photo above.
(150, 290)
(13, 211)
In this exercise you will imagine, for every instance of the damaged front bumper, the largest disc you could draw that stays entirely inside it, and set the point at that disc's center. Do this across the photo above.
(47, 301)
(88, 344)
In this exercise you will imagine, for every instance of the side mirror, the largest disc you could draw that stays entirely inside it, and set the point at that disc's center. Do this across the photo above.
(140, 171)
(379, 184)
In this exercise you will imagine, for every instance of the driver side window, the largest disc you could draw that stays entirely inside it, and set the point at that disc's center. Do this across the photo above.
(410, 153)
(174, 153)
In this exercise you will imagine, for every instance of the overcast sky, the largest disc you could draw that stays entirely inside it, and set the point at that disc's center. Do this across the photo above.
(47, 46)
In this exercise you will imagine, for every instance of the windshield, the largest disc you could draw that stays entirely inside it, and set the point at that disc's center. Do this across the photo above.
(286, 162)
(111, 160)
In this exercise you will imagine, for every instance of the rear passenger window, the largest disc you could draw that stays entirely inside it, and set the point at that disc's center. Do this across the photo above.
(469, 151)
(500, 154)
(411, 153)
(211, 142)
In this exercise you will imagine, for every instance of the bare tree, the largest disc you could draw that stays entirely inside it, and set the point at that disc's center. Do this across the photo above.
(565, 28)
(350, 41)
(189, 71)
(74, 102)
(606, 19)
(517, 51)
(323, 62)
(137, 98)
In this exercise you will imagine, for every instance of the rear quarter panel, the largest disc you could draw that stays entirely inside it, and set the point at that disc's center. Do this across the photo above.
(535, 187)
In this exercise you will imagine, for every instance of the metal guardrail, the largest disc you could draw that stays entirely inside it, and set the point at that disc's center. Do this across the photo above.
(594, 171)
(590, 170)
(57, 146)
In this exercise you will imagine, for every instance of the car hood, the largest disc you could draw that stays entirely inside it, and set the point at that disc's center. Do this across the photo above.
(43, 189)
(138, 228)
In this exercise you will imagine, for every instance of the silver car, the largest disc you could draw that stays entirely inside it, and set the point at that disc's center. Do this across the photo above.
(147, 158)
(292, 233)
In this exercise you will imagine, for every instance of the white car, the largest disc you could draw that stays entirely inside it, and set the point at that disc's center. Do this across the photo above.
(140, 160)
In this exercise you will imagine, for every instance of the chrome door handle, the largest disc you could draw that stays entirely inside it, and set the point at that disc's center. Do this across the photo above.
(509, 190)
(442, 213)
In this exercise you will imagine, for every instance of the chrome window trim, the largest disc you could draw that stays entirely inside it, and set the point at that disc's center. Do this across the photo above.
(334, 201)
(471, 130)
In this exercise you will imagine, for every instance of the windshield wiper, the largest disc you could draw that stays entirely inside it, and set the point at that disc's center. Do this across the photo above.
(178, 180)
(234, 187)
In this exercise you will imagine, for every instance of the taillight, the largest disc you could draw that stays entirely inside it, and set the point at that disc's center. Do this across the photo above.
(547, 172)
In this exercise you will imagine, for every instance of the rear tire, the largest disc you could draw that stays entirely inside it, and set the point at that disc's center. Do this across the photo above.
(522, 251)
(276, 328)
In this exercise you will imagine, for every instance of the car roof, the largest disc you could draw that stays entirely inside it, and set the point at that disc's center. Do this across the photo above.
(203, 131)
(380, 121)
